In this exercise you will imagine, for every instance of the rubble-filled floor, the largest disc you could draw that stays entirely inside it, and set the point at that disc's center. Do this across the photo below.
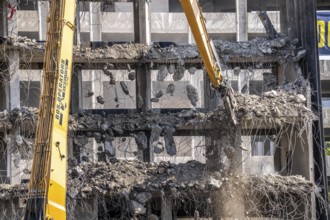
(279, 49)
(137, 182)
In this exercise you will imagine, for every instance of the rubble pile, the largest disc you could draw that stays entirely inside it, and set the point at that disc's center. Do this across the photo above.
(273, 105)
(262, 47)
(122, 176)
(125, 176)
(117, 51)
(137, 181)
(8, 191)
(278, 106)
(18, 116)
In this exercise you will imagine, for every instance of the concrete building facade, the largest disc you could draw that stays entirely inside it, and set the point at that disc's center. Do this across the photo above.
(263, 147)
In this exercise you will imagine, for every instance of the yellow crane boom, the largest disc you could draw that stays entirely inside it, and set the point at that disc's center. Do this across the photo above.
(204, 43)
(47, 188)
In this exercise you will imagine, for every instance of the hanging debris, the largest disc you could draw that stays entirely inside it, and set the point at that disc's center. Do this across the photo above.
(192, 95)
(162, 73)
(170, 89)
(124, 87)
(100, 100)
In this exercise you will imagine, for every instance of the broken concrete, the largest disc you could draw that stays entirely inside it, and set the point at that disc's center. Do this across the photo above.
(276, 107)
(136, 181)
(278, 49)
(192, 95)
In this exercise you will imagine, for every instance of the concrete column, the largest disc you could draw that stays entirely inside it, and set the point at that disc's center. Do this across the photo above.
(246, 155)
(242, 35)
(43, 8)
(13, 101)
(97, 86)
(143, 88)
(76, 90)
(13, 158)
(143, 104)
(13, 89)
(191, 39)
(241, 20)
(3, 19)
(291, 22)
(95, 36)
(95, 21)
(167, 207)
(283, 17)
(142, 34)
(243, 82)
(77, 35)
(142, 25)
(12, 30)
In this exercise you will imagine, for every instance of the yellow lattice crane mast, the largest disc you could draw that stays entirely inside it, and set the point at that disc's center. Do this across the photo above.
(47, 189)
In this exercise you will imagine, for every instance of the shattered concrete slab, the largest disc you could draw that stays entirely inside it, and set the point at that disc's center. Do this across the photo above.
(137, 181)
(118, 176)
(277, 107)
(278, 49)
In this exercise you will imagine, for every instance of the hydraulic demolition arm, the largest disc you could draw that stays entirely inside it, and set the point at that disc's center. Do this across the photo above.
(209, 54)
(204, 43)
(47, 189)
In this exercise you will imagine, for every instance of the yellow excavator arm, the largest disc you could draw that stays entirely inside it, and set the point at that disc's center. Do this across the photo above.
(47, 189)
(204, 43)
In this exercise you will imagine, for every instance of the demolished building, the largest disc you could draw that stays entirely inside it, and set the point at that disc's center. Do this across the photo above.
(150, 138)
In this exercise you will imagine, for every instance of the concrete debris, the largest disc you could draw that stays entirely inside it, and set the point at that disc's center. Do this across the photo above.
(110, 150)
(171, 69)
(192, 95)
(100, 100)
(170, 89)
(179, 73)
(237, 70)
(169, 140)
(142, 178)
(278, 48)
(270, 30)
(156, 130)
(19, 140)
(124, 87)
(215, 183)
(284, 107)
(180, 62)
(139, 101)
(159, 94)
(229, 151)
(154, 100)
(137, 208)
(141, 140)
(111, 75)
(162, 73)
(134, 182)
(131, 76)
(300, 98)
(192, 70)
(158, 147)
(89, 94)
(143, 197)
